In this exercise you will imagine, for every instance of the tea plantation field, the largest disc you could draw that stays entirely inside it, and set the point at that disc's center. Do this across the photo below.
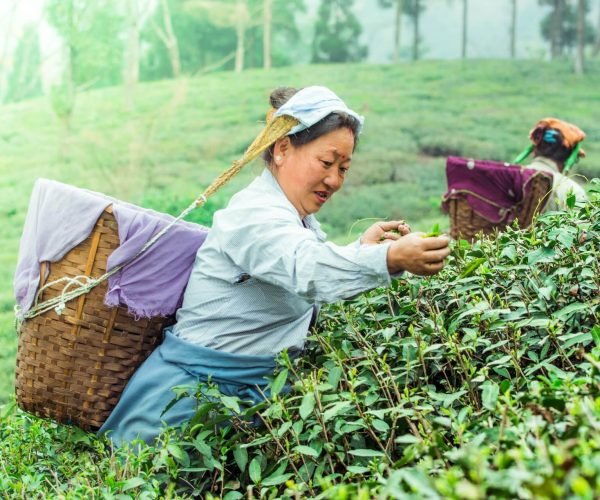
(481, 382)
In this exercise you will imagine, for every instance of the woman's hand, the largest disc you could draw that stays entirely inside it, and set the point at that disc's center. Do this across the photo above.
(418, 255)
(384, 230)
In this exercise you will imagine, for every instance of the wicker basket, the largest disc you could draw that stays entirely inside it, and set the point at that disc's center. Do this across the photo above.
(73, 367)
(465, 223)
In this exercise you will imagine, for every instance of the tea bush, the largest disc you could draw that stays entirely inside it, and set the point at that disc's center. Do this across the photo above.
(480, 382)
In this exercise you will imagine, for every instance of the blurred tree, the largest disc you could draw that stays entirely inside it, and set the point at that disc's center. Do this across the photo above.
(206, 34)
(23, 81)
(91, 32)
(131, 71)
(93, 52)
(400, 8)
(553, 26)
(242, 19)
(559, 27)
(465, 28)
(414, 9)
(9, 24)
(337, 33)
(287, 46)
(165, 32)
(579, 55)
(267, 30)
(596, 49)
(200, 42)
(513, 28)
(227, 14)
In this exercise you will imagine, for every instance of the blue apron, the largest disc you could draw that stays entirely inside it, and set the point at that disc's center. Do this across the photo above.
(176, 362)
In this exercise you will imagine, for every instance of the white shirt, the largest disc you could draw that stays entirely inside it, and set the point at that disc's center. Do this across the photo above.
(263, 271)
(561, 184)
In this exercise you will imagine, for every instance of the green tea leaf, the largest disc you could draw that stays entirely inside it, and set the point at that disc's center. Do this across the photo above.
(241, 457)
(357, 469)
(381, 425)
(489, 395)
(279, 382)
(334, 376)
(275, 480)
(435, 231)
(472, 267)
(179, 454)
(308, 405)
(231, 403)
(568, 311)
(596, 335)
(336, 409)
(366, 453)
(233, 495)
(255, 470)
(306, 450)
(134, 482)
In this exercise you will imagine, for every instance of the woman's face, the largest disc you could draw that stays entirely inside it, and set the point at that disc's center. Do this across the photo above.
(310, 174)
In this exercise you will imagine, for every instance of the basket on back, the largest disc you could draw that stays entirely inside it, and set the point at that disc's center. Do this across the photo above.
(485, 196)
(73, 364)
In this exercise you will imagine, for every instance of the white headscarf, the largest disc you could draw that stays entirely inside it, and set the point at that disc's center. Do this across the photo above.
(311, 104)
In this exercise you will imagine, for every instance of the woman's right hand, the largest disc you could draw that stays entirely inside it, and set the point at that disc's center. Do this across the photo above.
(417, 254)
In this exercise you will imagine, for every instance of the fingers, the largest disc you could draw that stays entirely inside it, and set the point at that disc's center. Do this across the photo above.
(435, 242)
(392, 230)
(434, 256)
(418, 255)
(390, 236)
(403, 229)
(394, 225)
(388, 225)
(431, 268)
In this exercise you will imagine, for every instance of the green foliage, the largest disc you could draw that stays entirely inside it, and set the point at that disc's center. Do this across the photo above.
(40, 459)
(62, 100)
(483, 381)
(414, 8)
(7, 356)
(565, 30)
(337, 32)
(201, 43)
(166, 149)
(207, 38)
(91, 32)
(511, 324)
(24, 79)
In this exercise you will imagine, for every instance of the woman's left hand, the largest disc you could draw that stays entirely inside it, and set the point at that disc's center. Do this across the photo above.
(384, 230)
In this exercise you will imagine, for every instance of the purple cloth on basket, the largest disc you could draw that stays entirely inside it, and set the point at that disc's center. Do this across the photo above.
(62, 216)
(153, 284)
(491, 188)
